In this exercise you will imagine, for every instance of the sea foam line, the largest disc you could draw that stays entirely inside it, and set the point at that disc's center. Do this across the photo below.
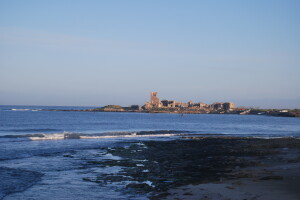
(62, 136)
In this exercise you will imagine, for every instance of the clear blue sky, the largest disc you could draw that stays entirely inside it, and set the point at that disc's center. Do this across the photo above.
(85, 52)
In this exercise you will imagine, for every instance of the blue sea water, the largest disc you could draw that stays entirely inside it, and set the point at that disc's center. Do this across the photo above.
(44, 154)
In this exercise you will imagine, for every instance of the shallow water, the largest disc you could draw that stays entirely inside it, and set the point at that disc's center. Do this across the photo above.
(48, 154)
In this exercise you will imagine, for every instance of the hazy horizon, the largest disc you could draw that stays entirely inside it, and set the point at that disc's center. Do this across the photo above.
(94, 53)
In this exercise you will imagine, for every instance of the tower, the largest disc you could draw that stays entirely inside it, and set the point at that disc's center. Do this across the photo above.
(154, 100)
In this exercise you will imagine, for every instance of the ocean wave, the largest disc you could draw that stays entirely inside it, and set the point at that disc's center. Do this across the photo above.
(71, 135)
(24, 109)
(115, 135)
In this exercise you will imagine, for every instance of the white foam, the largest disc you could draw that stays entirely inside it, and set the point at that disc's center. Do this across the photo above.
(57, 136)
(126, 136)
(61, 136)
(149, 183)
(24, 109)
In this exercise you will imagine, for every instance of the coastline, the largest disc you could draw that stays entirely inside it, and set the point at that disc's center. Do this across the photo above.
(177, 110)
(213, 167)
(255, 112)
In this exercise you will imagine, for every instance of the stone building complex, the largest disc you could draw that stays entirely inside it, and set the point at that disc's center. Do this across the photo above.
(156, 103)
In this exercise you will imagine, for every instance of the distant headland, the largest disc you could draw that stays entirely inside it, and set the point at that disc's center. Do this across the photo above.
(155, 105)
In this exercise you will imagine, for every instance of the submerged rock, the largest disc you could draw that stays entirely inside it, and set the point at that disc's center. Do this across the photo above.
(16, 180)
(272, 178)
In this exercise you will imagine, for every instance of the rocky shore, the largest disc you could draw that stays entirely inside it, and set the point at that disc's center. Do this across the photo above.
(237, 111)
(207, 168)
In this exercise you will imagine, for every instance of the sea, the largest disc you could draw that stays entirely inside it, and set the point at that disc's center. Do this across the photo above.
(44, 152)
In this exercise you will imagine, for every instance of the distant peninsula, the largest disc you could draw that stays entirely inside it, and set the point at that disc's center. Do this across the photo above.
(155, 105)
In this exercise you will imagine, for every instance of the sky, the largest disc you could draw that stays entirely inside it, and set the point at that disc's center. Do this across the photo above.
(96, 52)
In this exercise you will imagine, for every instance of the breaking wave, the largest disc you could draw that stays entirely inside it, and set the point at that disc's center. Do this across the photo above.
(71, 135)
(24, 109)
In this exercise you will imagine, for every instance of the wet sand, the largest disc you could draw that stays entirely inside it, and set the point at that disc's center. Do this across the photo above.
(263, 183)
(209, 168)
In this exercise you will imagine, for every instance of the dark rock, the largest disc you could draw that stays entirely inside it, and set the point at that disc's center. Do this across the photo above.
(142, 187)
(190, 161)
(271, 178)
